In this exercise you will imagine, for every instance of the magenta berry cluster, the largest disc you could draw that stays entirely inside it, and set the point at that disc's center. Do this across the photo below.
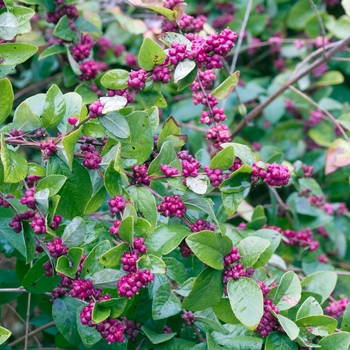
(32, 180)
(38, 224)
(48, 147)
(336, 308)
(168, 171)
(83, 289)
(273, 174)
(89, 70)
(68, 9)
(167, 330)
(218, 134)
(137, 79)
(268, 322)
(308, 170)
(96, 109)
(130, 284)
(140, 175)
(56, 248)
(139, 246)
(112, 330)
(161, 73)
(215, 175)
(114, 229)
(92, 160)
(302, 238)
(104, 44)
(188, 318)
(28, 199)
(117, 204)
(172, 206)
(3, 202)
(316, 117)
(128, 261)
(82, 50)
(237, 163)
(131, 328)
(190, 165)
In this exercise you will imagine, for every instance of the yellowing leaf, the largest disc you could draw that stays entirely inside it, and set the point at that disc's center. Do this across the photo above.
(338, 155)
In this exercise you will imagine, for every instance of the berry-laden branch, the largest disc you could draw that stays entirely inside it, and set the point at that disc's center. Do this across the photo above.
(257, 110)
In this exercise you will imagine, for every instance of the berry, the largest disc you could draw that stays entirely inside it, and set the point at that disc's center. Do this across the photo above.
(118, 50)
(308, 170)
(172, 206)
(137, 79)
(342, 209)
(48, 147)
(161, 74)
(218, 134)
(16, 133)
(168, 171)
(86, 315)
(3, 202)
(190, 165)
(104, 44)
(128, 261)
(302, 238)
(215, 175)
(117, 204)
(268, 322)
(112, 330)
(38, 224)
(322, 259)
(188, 318)
(48, 268)
(125, 93)
(170, 4)
(201, 225)
(32, 180)
(316, 117)
(130, 59)
(57, 219)
(82, 51)
(130, 284)
(273, 175)
(336, 309)
(232, 257)
(56, 248)
(70, 10)
(58, 292)
(139, 246)
(222, 21)
(96, 109)
(264, 288)
(114, 229)
(92, 160)
(28, 199)
(72, 120)
(167, 330)
(83, 289)
(140, 174)
(132, 329)
(89, 70)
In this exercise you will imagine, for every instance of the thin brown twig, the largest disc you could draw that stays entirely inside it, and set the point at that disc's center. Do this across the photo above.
(32, 333)
(329, 115)
(257, 110)
(199, 335)
(322, 28)
(27, 319)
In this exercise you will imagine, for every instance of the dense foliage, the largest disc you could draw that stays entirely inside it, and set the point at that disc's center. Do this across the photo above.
(175, 175)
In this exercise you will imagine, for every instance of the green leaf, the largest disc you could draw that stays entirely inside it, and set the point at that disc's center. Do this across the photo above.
(77, 190)
(226, 87)
(64, 313)
(112, 256)
(246, 301)
(88, 335)
(210, 247)
(99, 314)
(224, 312)
(113, 180)
(91, 263)
(150, 54)
(231, 201)
(166, 238)
(152, 263)
(224, 159)
(23, 14)
(5, 334)
(141, 145)
(211, 345)
(106, 278)
(206, 292)
(169, 37)
(183, 69)
(86, 93)
(170, 127)
(318, 325)
(288, 326)
(116, 306)
(69, 142)
(238, 181)
(242, 151)
(344, 119)
(275, 238)
(156, 338)
(336, 341)
(330, 78)
(144, 203)
(74, 232)
(209, 318)
(115, 79)
(167, 155)
(345, 323)
(7, 98)
(288, 291)
(8, 26)
(15, 166)
(54, 108)
(169, 14)
(52, 50)
(279, 341)
(25, 120)
(52, 182)
(69, 266)
(126, 230)
(250, 249)
(35, 281)
(258, 218)
(175, 270)
(315, 283)
(165, 303)
(298, 14)
(63, 30)
(16, 53)
(187, 80)
(310, 307)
